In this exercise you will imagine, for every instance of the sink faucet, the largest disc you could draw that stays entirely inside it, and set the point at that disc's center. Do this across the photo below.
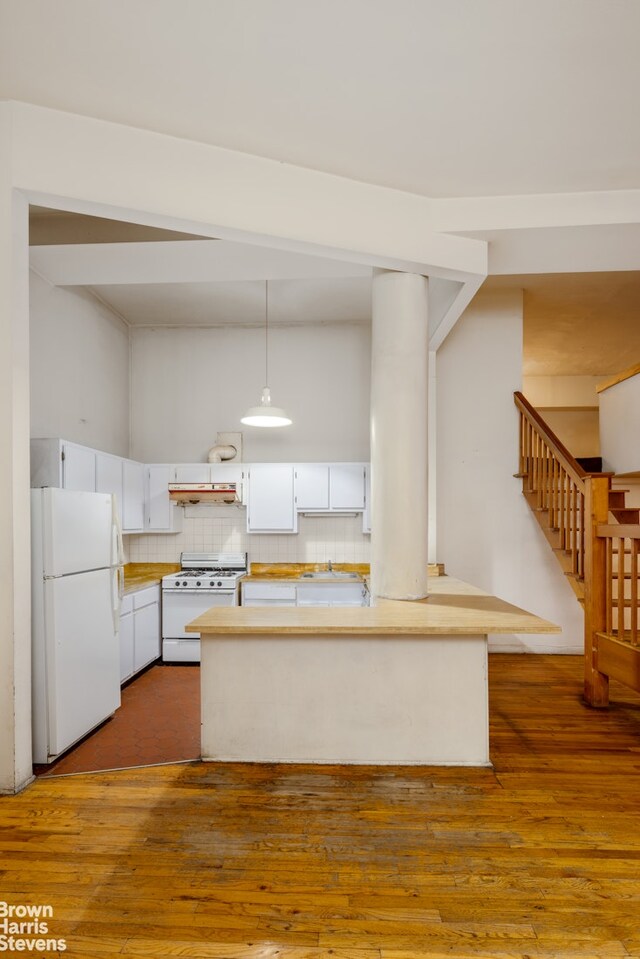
(329, 565)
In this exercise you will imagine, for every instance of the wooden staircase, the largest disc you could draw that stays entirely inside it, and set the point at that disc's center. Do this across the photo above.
(595, 536)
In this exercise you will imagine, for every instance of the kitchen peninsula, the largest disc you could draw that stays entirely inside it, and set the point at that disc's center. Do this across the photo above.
(397, 682)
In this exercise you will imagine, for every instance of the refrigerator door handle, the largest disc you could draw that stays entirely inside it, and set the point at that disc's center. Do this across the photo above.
(115, 598)
(117, 546)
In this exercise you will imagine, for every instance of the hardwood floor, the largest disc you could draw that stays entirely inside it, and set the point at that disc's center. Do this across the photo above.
(537, 857)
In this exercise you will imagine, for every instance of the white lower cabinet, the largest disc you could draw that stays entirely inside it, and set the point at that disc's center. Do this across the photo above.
(139, 630)
(332, 594)
(126, 638)
(268, 594)
(304, 594)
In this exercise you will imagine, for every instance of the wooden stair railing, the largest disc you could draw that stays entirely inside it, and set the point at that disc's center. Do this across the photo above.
(573, 508)
(616, 639)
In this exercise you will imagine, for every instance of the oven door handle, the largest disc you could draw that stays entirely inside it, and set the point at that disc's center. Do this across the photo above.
(202, 591)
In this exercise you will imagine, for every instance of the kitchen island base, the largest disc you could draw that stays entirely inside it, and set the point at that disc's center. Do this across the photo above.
(346, 699)
(392, 683)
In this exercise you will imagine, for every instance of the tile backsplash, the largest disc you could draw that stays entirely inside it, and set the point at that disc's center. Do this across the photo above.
(223, 529)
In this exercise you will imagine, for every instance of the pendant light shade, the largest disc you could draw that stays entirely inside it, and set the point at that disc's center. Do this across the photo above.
(266, 414)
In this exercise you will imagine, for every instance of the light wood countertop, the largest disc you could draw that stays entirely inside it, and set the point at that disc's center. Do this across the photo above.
(288, 572)
(452, 608)
(139, 575)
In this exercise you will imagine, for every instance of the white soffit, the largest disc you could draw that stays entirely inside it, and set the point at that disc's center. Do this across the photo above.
(179, 261)
(291, 302)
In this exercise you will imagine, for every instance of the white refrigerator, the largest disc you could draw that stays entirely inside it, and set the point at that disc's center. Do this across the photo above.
(76, 552)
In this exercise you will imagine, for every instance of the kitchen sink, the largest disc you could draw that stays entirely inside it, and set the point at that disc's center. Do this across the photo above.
(330, 574)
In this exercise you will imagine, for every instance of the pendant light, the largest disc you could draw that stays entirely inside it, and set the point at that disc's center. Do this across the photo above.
(266, 414)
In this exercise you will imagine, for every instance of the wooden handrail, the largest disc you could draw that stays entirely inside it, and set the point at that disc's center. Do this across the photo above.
(602, 557)
(555, 445)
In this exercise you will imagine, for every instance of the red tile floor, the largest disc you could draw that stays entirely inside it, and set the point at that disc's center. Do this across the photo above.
(158, 722)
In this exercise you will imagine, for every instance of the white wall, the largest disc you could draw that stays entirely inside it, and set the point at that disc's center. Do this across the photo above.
(486, 533)
(620, 426)
(79, 368)
(188, 384)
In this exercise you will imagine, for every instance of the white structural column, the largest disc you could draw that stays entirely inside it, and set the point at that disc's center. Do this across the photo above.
(15, 570)
(399, 381)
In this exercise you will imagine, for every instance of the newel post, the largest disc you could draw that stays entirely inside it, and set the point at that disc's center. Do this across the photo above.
(596, 509)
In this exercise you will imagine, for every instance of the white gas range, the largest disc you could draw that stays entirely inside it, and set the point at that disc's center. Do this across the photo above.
(205, 580)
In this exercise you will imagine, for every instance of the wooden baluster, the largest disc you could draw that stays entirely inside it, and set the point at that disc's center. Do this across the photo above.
(574, 527)
(581, 538)
(569, 505)
(621, 571)
(609, 587)
(562, 516)
(596, 511)
(521, 468)
(534, 461)
(634, 591)
(547, 468)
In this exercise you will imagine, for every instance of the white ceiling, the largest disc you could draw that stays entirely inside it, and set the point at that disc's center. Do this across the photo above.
(436, 97)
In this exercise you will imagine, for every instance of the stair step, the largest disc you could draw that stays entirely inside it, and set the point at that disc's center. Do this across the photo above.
(630, 514)
(617, 499)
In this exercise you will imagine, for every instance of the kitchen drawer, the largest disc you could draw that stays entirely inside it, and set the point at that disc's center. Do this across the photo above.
(126, 606)
(144, 597)
(269, 602)
(267, 592)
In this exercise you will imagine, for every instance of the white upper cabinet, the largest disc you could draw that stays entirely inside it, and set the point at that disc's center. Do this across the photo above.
(109, 477)
(227, 472)
(312, 486)
(330, 487)
(366, 515)
(346, 486)
(193, 473)
(161, 515)
(78, 468)
(132, 496)
(231, 473)
(271, 507)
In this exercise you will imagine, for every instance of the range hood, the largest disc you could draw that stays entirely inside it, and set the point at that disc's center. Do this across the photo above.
(213, 494)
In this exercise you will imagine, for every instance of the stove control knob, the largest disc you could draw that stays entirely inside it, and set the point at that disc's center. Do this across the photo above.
(212, 583)
(219, 582)
(184, 583)
(198, 583)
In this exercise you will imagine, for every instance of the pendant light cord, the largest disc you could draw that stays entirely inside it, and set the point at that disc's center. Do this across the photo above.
(266, 332)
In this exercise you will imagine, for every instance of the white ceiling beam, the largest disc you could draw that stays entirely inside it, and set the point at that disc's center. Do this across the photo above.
(179, 261)
(595, 249)
(472, 214)
(452, 309)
